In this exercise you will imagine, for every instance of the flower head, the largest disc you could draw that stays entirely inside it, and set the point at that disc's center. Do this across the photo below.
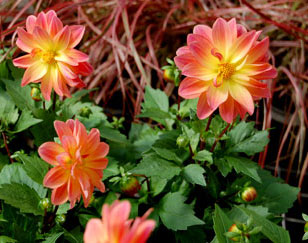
(115, 227)
(51, 59)
(223, 66)
(78, 163)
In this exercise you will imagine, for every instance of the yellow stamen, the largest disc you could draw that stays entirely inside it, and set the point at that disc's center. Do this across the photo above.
(45, 56)
(226, 70)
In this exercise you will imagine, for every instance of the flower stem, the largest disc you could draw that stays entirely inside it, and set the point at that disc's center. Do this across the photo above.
(220, 135)
(7, 147)
(54, 101)
(202, 143)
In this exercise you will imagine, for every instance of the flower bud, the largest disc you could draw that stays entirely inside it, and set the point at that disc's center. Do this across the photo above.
(169, 75)
(36, 94)
(130, 185)
(60, 219)
(306, 227)
(45, 204)
(182, 141)
(234, 229)
(85, 112)
(249, 194)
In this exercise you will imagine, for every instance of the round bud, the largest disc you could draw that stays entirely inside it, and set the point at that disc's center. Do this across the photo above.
(60, 219)
(130, 185)
(85, 112)
(249, 194)
(169, 75)
(45, 204)
(306, 227)
(234, 229)
(182, 141)
(36, 94)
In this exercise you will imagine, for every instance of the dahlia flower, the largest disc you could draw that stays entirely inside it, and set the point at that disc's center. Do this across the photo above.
(78, 163)
(51, 59)
(223, 66)
(115, 227)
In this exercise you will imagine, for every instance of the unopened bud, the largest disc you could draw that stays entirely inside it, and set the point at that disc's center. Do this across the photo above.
(182, 141)
(85, 112)
(60, 218)
(36, 94)
(130, 185)
(249, 194)
(234, 229)
(45, 204)
(169, 75)
(306, 227)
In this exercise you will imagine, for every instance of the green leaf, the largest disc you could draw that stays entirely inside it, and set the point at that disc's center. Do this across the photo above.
(240, 132)
(157, 185)
(272, 231)
(35, 167)
(204, 155)
(155, 113)
(175, 214)
(84, 218)
(194, 234)
(221, 224)
(21, 196)
(155, 99)
(223, 166)
(153, 165)
(193, 173)
(6, 239)
(63, 208)
(245, 166)
(8, 112)
(305, 216)
(186, 106)
(53, 238)
(112, 168)
(193, 137)
(112, 134)
(25, 121)
(305, 236)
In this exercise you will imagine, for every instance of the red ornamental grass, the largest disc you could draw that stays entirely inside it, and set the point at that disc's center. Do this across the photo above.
(78, 163)
(115, 227)
(223, 66)
(51, 59)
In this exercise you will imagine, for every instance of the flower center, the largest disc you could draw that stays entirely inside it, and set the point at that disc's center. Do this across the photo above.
(45, 56)
(226, 70)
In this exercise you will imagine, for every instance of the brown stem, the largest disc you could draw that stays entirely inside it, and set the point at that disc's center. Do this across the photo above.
(220, 135)
(7, 147)
(44, 107)
(54, 101)
(202, 144)
(179, 106)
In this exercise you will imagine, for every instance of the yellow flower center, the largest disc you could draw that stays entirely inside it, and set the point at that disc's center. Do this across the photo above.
(45, 56)
(226, 70)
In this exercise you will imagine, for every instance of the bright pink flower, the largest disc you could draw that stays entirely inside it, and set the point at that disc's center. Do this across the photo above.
(52, 59)
(115, 227)
(78, 163)
(224, 66)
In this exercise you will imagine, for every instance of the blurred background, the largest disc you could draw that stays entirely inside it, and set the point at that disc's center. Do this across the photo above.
(128, 43)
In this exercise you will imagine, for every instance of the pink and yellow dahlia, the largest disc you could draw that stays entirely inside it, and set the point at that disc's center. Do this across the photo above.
(52, 59)
(78, 163)
(223, 66)
(115, 227)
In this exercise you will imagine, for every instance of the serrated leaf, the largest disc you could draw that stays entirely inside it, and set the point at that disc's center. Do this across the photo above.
(21, 196)
(53, 238)
(240, 132)
(175, 214)
(272, 231)
(155, 113)
(157, 185)
(153, 165)
(155, 99)
(112, 168)
(8, 112)
(193, 173)
(35, 167)
(25, 121)
(204, 155)
(112, 134)
(223, 166)
(245, 166)
(222, 223)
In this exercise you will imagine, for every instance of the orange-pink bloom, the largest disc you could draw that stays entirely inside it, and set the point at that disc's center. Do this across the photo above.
(115, 227)
(78, 163)
(52, 59)
(223, 66)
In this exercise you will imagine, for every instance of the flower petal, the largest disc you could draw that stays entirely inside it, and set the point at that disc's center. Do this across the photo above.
(242, 96)
(268, 74)
(24, 61)
(77, 32)
(63, 129)
(69, 144)
(55, 26)
(94, 232)
(191, 88)
(195, 70)
(35, 72)
(43, 39)
(93, 140)
(59, 195)
(78, 55)
(49, 151)
(66, 71)
(258, 51)
(217, 95)
(46, 86)
(30, 23)
(25, 40)
(74, 191)
(42, 21)
(56, 177)
(222, 37)
(62, 38)
(203, 108)
(204, 30)
(226, 110)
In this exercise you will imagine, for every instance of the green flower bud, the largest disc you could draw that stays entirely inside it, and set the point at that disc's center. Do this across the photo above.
(130, 185)
(36, 94)
(234, 229)
(85, 112)
(182, 141)
(60, 219)
(45, 204)
(306, 227)
(249, 194)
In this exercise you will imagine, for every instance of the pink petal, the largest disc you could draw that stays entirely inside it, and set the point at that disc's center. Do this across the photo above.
(99, 164)
(55, 26)
(226, 110)
(258, 51)
(80, 133)
(35, 72)
(56, 177)
(78, 55)
(240, 110)
(42, 21)
(204, 31)
(242, 96)
(77, 32)
(74, 191)
(25, 40)
(66, 71)
(94, 232)
(191, 88)
(62, 38)
(233, 29)
(268, 74)
(24, 61)
(93, 140)
(182, 60)
(30, 23)
(50, 15)
(69, 144)
(49, 151)
(46, 86)
(195, 70)
(222, 38)
(203, 109)
(217, 95)
(62, 57)
(43, 39)
(84, 68)
(143, 231)
(59, 195)
(62, 129)
(240, 30)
